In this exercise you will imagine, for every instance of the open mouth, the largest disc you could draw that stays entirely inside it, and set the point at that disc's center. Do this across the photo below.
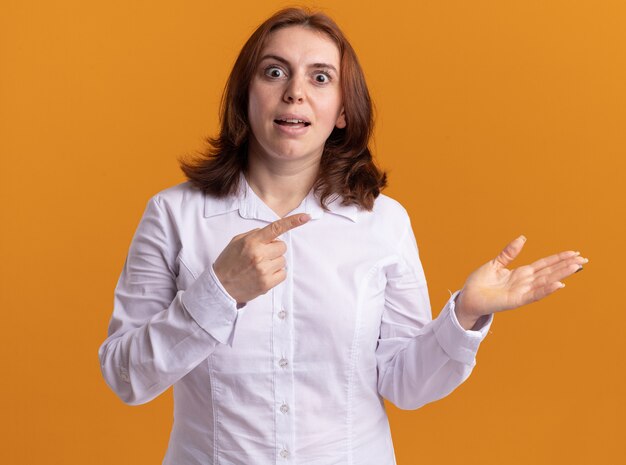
(294, 123)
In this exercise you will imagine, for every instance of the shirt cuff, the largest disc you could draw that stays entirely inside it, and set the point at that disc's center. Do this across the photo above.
(459, 343)
(211, 306)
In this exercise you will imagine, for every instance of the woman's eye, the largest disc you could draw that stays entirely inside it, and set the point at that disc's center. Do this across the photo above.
(274, 72)
(322, 78)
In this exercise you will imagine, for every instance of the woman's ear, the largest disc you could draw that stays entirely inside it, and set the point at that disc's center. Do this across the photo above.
(341, 120)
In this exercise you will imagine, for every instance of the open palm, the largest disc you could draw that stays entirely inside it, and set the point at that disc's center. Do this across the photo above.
(494, 288)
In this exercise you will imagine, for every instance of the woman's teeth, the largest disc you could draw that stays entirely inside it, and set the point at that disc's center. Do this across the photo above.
(292, 122)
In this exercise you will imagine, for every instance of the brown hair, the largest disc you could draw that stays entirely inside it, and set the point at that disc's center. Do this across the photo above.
(346, 166)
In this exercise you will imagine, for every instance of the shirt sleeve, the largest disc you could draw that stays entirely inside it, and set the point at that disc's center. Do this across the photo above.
(158, 333)
(419, 359)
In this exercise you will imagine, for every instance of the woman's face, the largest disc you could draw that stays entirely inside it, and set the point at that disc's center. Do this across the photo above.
(296, 80)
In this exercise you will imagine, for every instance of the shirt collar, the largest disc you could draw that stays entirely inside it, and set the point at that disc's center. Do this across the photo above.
(251, 206)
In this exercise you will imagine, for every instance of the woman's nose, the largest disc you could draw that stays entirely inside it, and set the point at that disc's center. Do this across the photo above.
(294, 92)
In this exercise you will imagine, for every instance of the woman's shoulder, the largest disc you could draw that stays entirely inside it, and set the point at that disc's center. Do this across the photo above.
(388, 220)
(389, 208)
(184, 194)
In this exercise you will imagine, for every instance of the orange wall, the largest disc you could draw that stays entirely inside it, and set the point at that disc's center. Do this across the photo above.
(494, 119)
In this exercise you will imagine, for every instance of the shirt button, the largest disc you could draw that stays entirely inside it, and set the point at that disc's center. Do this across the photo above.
(284, 408)
(282, 314)
(283, 362)
(284, 453)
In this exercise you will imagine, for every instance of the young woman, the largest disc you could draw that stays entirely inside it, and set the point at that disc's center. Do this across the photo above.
(279, 291)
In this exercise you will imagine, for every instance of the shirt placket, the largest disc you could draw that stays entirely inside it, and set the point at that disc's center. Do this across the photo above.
(282, 344)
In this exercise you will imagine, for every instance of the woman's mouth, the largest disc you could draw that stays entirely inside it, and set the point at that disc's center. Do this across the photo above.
(292, 122)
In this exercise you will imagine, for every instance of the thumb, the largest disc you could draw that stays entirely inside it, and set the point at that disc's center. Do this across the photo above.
(244, 234)
(511, 251)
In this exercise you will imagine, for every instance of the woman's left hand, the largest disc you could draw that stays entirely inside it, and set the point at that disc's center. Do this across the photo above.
(494, 288)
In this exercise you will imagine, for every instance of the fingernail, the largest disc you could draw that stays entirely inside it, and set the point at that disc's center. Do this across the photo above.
(577, 253)
(586, 260)
(579, 269)
(522, 237)
(562, 285)
(305, 217)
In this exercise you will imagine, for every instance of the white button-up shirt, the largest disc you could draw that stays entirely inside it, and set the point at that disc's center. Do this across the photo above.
(297, 375)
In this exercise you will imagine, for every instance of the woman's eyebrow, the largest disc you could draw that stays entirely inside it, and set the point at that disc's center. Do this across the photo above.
(313, 65)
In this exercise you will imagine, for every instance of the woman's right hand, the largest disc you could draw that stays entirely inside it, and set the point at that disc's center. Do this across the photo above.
(252, 263)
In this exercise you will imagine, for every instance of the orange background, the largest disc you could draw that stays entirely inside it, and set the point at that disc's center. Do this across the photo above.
(494, 119)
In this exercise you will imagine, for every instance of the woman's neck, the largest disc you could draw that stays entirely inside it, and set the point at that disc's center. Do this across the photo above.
(281, 186)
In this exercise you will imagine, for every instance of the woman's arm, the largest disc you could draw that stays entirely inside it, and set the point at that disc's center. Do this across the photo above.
(419, 359)
(157, 334)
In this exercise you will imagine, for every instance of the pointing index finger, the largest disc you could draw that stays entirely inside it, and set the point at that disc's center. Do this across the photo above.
(278, 227)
